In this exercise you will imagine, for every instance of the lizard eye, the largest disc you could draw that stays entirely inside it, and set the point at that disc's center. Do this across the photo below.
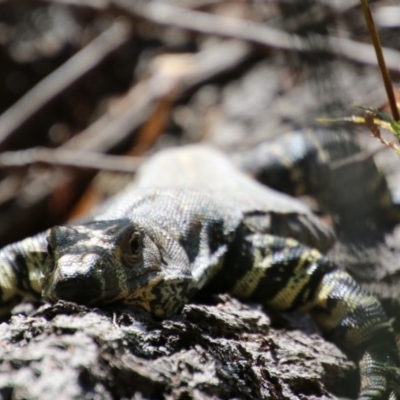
(135, 244)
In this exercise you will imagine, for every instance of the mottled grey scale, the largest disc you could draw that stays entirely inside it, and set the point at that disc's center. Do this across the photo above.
(193, 222)
(235, 195)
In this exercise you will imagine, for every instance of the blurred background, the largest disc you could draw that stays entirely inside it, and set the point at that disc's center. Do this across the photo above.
(131, 77)
(88, 88)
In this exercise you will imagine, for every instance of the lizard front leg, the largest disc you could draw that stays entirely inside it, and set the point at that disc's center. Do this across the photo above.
(287, 276)
(20, 271)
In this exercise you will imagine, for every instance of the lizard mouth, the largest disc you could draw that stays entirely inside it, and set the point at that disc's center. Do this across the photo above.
(89, 291)
(118, 293)
(78, 290)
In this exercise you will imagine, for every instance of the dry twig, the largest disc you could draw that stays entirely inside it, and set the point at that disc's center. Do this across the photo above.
(68, 158)
(255, 33)
(188, 71)
(114, 127)
(62, 78)
(227, 27)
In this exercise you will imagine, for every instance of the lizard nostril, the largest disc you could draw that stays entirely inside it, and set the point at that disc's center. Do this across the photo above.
(75, 278)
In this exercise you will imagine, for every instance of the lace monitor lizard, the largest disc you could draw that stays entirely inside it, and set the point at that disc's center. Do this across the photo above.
(192, 222)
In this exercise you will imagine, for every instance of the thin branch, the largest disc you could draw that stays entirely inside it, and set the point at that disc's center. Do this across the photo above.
(143, 98)
(99, 5)
(201, 22)
(135, 108)
(233, 28)
(251, 32)
(68, 158)
(357, 158)
(60, 79)
(381, 59)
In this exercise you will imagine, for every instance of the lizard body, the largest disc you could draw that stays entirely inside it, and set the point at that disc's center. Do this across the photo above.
(192, 222)
(314, 162)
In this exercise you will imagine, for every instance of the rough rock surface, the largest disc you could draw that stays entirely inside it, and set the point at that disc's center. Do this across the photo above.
(223, 349)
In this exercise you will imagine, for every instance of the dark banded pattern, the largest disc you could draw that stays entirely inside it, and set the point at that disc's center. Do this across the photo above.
(21, 267)
(312, 162)
(287, 276)
(195, 223)
(279, 272)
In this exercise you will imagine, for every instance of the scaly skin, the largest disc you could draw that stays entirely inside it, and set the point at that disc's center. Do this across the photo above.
(313, 162)
(190, 223)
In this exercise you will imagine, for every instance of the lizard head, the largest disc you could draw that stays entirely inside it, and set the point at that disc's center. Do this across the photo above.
(105, 262)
